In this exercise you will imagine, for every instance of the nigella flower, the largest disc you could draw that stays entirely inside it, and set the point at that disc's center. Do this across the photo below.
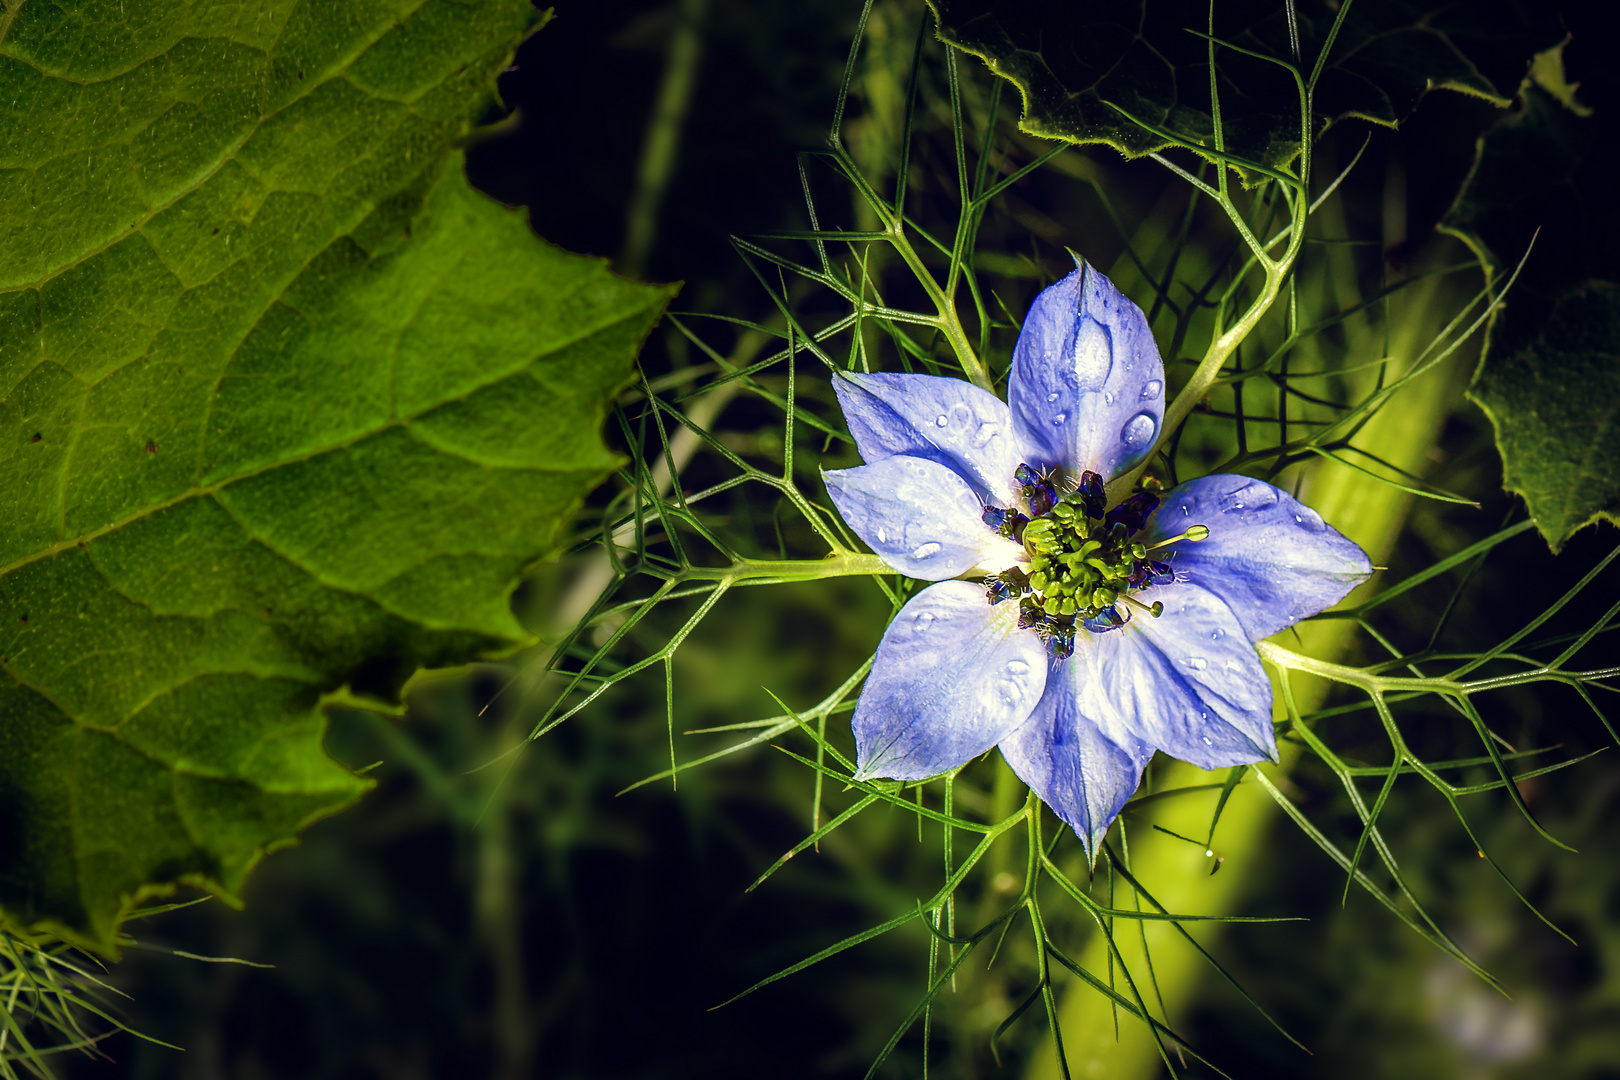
(1092, 636)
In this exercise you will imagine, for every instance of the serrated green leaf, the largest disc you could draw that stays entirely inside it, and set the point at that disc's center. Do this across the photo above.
(286, 408)
(1074, 62)
(1549, 378)
(1555, 404)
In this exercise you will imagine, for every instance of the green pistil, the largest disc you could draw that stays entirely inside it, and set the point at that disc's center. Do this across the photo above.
(1078, 567)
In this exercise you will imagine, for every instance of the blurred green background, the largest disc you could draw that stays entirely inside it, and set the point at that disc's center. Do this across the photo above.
(523, 920)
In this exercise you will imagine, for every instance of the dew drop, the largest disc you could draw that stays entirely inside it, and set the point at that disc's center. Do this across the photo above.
(1234, 665)
(986, 432)
(1151, 390)
(1197, 663)
(1012, 691)
(1051, 397)
(883, 536)
(1016, 667)
(961, 415)
(1139, 430)
(1203, 716)
(1059, 419)
(1108, 397)
(1298, 520)
(1217, 634)
(1093, 355)
(922, 622)
(943, 420)
(924, 551)
(1207, 742)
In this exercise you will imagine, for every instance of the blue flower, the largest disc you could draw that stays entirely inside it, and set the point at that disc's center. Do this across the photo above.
(1094, 636)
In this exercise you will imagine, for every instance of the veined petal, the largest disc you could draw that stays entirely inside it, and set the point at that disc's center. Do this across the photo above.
(948, 421)
(1271, 558)
(1188, 683)
(1083, 765)
(952, 677)
(922, 518)
(1087, 384)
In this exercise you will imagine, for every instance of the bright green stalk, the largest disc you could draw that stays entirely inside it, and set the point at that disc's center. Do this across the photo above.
(1369, 512)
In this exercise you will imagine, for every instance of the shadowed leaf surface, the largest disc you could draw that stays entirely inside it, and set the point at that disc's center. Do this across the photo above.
(1550, 376)
(285, 407)
(1077, 65)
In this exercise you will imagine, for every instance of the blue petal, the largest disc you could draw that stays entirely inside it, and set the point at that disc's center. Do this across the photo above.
(920, 516)
(1083, 766)
(952, 677)
(1188, 682)
(1087, 384)
(945, 420)
(1272, 559)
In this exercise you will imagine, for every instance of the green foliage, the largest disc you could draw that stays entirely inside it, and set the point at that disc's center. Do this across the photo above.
(1549, 379)
(1086, 70)
(286, 407)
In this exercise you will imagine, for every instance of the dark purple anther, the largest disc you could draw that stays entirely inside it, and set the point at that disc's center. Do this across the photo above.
(996, 590)
(1092, 496)
(1026, 476)
(995, 517)
(1147, 572)
(1041, 499)
(1141, 576)
(1060, 646)
(1134, 512)
(1030, 616)
(1108, 619)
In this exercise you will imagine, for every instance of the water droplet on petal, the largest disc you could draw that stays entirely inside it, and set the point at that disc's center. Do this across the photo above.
(1234, 665)
(1108, 397)
(922, 622)
(1151, 389)
(1016, 667)
(1207, 742)
(943, 420)
(1197, 663)
(1051, 397)
(883, 536)
(1139, 430)
(986, 432)
(1216, 634)
(1012, 691)
(924, 551)
(1093, 354)
(1058, 419)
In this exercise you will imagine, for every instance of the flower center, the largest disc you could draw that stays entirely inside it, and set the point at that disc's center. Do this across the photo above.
(1083, 565)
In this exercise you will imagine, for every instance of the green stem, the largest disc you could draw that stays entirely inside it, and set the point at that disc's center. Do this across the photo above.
(770, 571)
(949, 323)
(1221, 349)
(659, 148)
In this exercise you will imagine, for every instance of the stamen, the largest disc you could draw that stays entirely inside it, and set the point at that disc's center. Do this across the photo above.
(1197, 532)
(1156, 610)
